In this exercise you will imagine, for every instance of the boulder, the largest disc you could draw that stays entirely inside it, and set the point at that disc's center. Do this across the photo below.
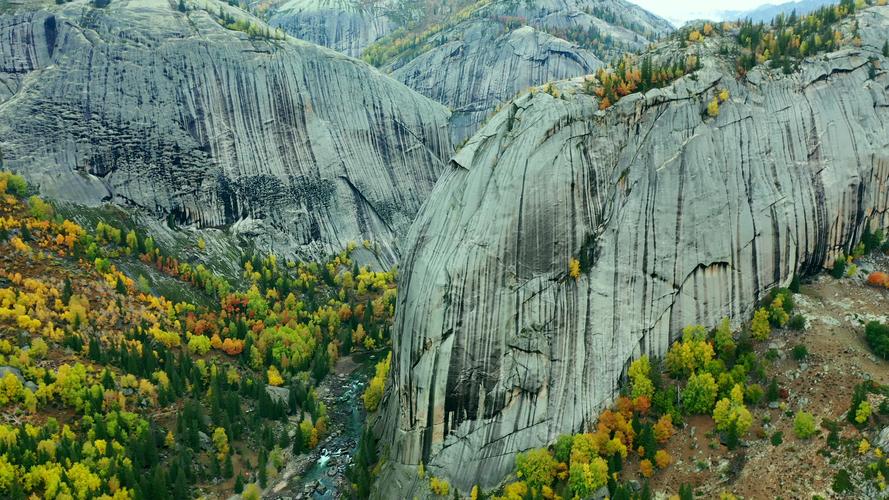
(4, 370)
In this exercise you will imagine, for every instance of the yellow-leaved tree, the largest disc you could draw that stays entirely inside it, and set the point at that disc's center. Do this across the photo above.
(374, 392)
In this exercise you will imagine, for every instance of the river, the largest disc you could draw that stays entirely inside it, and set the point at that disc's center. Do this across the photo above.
(320, 474)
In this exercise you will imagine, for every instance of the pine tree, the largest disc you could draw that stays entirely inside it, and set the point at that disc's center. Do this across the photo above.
(228, 470)
(886, 49)
(95, 353)
(359, 473)
(263, 473)
(239, 484)
(107, 378)
(297, 441)
(180, 490)
(67, 291)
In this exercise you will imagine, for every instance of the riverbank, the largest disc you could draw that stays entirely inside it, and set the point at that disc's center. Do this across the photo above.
(321, 473)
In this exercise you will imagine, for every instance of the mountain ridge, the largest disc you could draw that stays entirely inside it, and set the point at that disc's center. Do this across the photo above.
(486, 43)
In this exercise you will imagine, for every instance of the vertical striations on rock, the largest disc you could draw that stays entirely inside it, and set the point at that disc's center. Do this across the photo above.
(474, 55)
(290, 144)
(484, 66)
(677, 218)
(346, 26)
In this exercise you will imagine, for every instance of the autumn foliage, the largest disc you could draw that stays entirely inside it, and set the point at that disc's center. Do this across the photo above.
(99, 356)
(631, 75)
(878, 279)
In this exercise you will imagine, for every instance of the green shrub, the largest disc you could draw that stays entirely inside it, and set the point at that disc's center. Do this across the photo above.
(786, 297)
(800, 352)
(754, 394)
(777, 438)
(664, 403)
(839, 267)
(14, 184)
(40, 209)
(804, 425)
(797, 322)
(562, 448)
(772, 393)
(872, 240)
(877, 336)
(859, 395)
(833, 433)
(842, 483)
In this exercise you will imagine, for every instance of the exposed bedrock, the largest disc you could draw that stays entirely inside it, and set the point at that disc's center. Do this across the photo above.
(343, 25)
(677, 218)
(293, 146)
(483, 67)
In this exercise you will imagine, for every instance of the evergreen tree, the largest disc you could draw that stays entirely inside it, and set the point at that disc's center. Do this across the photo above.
(297, 441)
(359, 473)
(67, 291)
(263, 466)
(772, 393)
(180, 489)
(95, 352)
(647, 441)
(107, 378)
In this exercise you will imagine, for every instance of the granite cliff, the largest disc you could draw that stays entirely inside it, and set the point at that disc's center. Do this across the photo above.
(343, 25)
(473, 56)
(675, 216)
(208, 117)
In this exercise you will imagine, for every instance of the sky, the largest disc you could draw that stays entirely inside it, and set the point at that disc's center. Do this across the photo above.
(679, 11)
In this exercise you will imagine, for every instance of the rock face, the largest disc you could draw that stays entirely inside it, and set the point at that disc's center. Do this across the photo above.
(343, 25)
(608, 27)
(675, 217)
(479, 56)
(484, 66)
(508, 46)
(291, 145)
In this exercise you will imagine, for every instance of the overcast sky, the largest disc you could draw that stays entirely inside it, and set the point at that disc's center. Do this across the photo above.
(679, 11)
